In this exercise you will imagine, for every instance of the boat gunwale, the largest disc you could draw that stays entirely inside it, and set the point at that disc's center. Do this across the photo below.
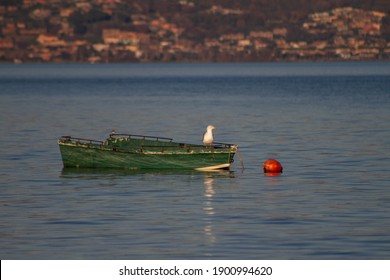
(86, 143)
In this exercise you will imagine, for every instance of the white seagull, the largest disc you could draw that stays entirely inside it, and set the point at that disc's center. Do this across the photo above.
(208, 137)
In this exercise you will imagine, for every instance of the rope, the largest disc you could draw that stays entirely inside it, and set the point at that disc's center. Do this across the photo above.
(241, 160)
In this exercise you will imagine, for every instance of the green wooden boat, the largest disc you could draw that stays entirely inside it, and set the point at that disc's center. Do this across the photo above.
(136, 152)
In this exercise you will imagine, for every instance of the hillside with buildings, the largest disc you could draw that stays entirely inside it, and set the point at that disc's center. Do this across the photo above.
(193, 30)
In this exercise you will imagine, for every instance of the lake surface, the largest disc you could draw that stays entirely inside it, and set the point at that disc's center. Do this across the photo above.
(327, 123)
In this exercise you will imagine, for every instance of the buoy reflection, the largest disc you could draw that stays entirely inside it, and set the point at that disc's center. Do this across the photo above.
(272, 174)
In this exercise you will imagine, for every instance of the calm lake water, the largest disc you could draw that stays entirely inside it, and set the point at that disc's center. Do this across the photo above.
(327, 123)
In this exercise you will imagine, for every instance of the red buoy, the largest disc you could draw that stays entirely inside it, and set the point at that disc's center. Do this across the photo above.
(272, 166)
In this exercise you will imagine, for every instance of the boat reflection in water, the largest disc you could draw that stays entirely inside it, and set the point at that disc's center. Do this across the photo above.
(155, 192)
(69, 172)
(208, 208)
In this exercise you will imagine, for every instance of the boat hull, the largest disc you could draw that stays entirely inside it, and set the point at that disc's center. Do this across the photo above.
(98, 156)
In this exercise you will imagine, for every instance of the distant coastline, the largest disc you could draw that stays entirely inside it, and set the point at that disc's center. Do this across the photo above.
(42, 31)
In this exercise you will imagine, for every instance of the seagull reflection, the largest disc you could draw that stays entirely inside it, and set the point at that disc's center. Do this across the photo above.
(208, 208)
